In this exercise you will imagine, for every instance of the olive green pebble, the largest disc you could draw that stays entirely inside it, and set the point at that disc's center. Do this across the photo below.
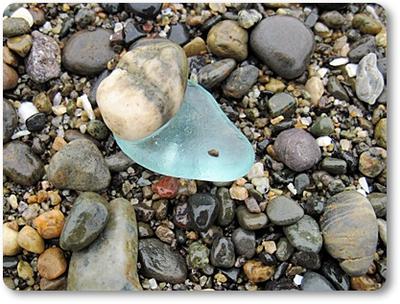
(198, 255)
(42, 103)
(322, 126)
(381, 132)
(15, 27)
(97, 129)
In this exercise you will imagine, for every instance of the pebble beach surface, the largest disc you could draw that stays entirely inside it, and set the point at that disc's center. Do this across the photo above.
(305, 83)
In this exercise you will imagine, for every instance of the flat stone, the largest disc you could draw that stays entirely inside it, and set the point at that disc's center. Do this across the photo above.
(86, 220)
(369, 81)
(51, 263)
(284, 211)
(227, 39)
(250, 221)
(361, 48)
(160, 262)
(244, 242)
(20, 44)
(10, 120)
(315, 282)
(336, 89)
(79, 165)
(179, 33)
(118, 162)
(87, 52)
(334, 165)
(195, 47)
(284, 44)
(281, 104)
(322, 126)
(213, 74)
(115, 250)
(372, 162)
(10, 77)
(132, 33)
(315, 88)
(21, 165)
(222, 253)
(44, 60)
(304, 234)
(240, 81)
(15, 27)
(378, 201)
(297, 149)
(203, 211)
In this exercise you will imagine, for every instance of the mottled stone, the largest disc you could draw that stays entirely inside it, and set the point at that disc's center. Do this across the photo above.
(366, 24)
(304, 234)
(213, 74)
(362, 47)
(256, 272)
(381, 133)
(21, 165)
(87, 52)
(145, 10)
(369, 81)
(227, 39)
(297, 149)
(284, 211)
(15, 27)
(222, 253)
(97, 129)
(372, 162)
(86, 220)
(226, 212)
(44, 60)
(79, 165)
(158, 95)
(197, 255)
(378, 202)
(20, 44)
(160, 262)
(240, 81)
(284, 44)
(350, 231)
(315, 88)
(49, 224)
(248, 18)
(203, 211)
(109, 263)
(306, 259)
(244, 242)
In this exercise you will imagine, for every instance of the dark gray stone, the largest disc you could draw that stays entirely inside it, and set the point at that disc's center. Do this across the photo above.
(284, 44)
(245, 242)
(213, 74)
(118, 162)
(79, 165)
(203, 211)
(240, 81)
(10, 120)
(222, 253)
(86, 220)
(335, 275)
(179, 33)
(85, 17)
(378, 202)
(160, 262)
(336, 89)
(301, 182)
(145, 10)
(93, 91)
(281, 104)
(361, 48)
(21, 165)
(297, 149)
(132, 32)
(87, 52)
(226, 212)
(322, 126)
(284, 211)
(334, 165)
(109, 263)
(315, 282)
(306, 259)
(250, 221)
(284, 249)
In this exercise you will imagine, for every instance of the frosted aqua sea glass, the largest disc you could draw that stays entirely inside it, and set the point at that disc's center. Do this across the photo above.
(180, 148)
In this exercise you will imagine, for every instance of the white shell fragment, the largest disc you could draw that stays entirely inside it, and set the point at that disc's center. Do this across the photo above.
(364, 185)
(297, 279)
(87, 106)
(26, 110)
(369, 81)
(20, 134)
(351, 69)
(24, 14)
(339, 61)
(324, 141)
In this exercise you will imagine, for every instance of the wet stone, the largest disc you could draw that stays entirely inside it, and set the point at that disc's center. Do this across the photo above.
(244, 242)
(160, 262)
(335, 275)
(284, 44)
(334, 165)
(315, 282)
(10, 120)
(284, 211)
(226, 212)
(281, 104)
(86, 220)
(203, 211)
(87, 52)
(21, 165)
(214, 73)
(79, 165)
(222, 253)
(240, 81)
(369, 81)
(323, 126)
(250, 221)
(144, 10)
(305, 234)
(297, 149)
(115, 250)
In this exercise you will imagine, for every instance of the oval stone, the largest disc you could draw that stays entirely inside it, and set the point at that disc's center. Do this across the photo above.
(214, 73)
(109, 263)
(369, 81)
(284, 211)
(145, 90)
(86, 220)
(160, 262)
(284, 44)
(10, 120)
(297, 149)
(222, 253)
(350, 231)
(203, 211)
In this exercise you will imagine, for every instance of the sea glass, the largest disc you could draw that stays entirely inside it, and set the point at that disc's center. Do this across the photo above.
(199, 142)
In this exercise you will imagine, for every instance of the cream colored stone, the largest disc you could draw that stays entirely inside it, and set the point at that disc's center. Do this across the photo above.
(315, 88)
(10, 241)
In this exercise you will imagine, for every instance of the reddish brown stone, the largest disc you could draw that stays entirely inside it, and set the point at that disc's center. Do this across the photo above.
(166, 187)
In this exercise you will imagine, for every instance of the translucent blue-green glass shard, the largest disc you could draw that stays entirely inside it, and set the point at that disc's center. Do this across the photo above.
(199, 142)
